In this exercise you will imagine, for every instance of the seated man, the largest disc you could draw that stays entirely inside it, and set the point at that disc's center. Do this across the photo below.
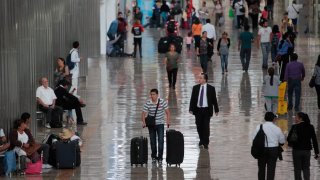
(4, 145)
(47, 101)
(68, 101)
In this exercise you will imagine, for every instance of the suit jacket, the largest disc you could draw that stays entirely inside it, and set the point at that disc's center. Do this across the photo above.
(211, 97)
(64, 98)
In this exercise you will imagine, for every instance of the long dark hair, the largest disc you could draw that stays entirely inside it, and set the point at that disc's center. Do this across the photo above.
(318, 62)
(275, 29)
(305, 118)
(271, 74)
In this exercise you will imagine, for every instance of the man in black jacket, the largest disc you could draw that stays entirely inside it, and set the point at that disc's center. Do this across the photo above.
(203, 100)
(69, 101)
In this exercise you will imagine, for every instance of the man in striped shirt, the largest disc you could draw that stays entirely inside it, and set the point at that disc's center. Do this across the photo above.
(150, 108)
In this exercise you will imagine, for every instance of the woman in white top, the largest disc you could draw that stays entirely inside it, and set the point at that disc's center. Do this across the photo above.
(218, 11)
(271, 85)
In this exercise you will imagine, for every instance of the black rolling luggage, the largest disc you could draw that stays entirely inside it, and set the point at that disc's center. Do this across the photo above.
(139, 151)
(177, 41)
(175, 147)
(163, 45)
(67, 154)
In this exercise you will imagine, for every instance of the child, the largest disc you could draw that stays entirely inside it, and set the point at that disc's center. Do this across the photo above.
(271, 87)
(137, 30)
(264, 13)
(189, 40)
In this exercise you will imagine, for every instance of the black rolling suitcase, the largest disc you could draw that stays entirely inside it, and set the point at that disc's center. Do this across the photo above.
(177, 41)
(139, 151)
(67, 154)
(163, 45)
(175, 147)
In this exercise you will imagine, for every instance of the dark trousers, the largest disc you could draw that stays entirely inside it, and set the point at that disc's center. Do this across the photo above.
(137, 42)
(76, 105)
(269, 160)
(294, 85)
(49, 112)
(210, 48)
(318, 94)
(197, 39)
(254, 19)
(204, 62)
(245, 56)
(153, 132)
(240, 19)
(301, 162)
(45, 149)
(283, 63)
(203, 125)
(172, 76)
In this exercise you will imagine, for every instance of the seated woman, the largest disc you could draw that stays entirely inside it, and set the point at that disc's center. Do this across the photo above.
(61, 72)
(23, 143)
(4, 145)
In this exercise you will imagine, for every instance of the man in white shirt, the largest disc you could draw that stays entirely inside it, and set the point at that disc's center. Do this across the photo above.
(75, 71)
(211, 36)
(274, 139)
(47, 101)
(264, 40)
(293, 13)
(240, 12)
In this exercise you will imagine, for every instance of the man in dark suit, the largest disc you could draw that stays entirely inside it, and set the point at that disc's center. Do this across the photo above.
(68, 101)
(202, 101)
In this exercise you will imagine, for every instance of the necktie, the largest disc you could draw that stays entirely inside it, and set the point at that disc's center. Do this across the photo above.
(201, 96)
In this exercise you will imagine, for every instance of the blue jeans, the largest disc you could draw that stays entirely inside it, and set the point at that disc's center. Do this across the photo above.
(153, 132)
(224, 62)
(274, 52)
(204, 62)
(245, 56)
(164, 18)
(265, 47)
(294, 85)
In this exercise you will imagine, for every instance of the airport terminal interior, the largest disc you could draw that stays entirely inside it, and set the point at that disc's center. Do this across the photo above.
(116, 88)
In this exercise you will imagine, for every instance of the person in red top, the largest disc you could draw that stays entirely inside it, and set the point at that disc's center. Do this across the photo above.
(137, 30)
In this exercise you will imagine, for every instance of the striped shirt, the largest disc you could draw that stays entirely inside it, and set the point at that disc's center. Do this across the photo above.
(150, 108)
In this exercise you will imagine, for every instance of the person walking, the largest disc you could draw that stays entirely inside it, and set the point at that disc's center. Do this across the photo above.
(300, 136)
(223, 51)
(284, 49)
(202, 51)
(293, 13)
(211, 37)
(274, 138)
(240, 13)
(164, 11)
(275, 38)
(218, 10)
(270, 4)
(294, 74)
(75, 58)
(149, 108)
(316, 73)
(203, 13)
(254, 11)
(271, 87)
(137, 30)
(244, 46)
(203, 100)
(196, 31)
(171, 60)
(264, 41)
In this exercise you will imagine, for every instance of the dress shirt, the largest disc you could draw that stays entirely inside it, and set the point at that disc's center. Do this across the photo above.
(46, 95)
(294, 70)
(76, 59)
(211, 31)
(273, 133)
(205, 99)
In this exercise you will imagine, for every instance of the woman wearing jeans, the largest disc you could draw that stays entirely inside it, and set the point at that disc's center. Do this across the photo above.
(157, 130)
(317, 81)
(223, 51)
(299, 138)
(202, 51)
(171, 61)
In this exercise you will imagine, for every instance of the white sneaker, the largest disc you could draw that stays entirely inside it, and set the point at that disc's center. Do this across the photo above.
(46, 166)
(48, 126)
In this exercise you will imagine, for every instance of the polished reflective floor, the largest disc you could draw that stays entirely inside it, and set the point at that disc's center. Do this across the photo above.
(116, 89)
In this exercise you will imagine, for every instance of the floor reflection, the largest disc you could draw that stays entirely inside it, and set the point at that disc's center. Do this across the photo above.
(203, 165)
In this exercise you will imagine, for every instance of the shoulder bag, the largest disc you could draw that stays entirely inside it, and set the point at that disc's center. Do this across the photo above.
(312, 82)
(151, 120)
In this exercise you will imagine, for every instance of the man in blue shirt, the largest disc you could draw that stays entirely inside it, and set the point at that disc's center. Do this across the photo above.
(294, 74)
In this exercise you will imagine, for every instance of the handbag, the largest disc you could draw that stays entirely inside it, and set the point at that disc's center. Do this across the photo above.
(32, 149)
(231, 13)
(151, 120)
(278, 58)
(34, 168)
(312, 82)
(294, 136)
(221, 21)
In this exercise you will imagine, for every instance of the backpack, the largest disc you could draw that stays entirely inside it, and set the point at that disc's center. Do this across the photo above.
(257, 148)
(112, 29)
(171, 26)
(69, 63)
(275, 40)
